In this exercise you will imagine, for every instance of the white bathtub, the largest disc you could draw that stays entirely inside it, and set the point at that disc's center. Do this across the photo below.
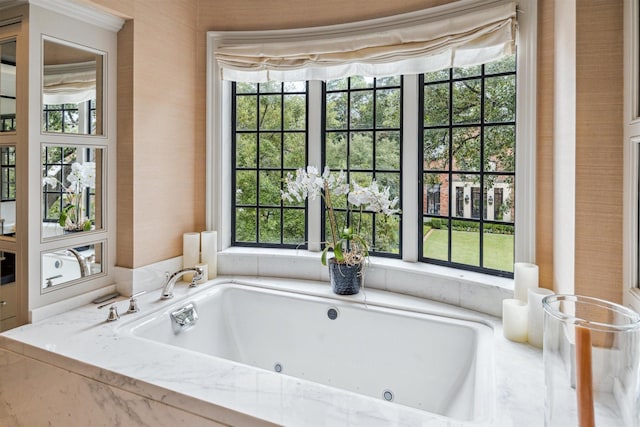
(443, 365)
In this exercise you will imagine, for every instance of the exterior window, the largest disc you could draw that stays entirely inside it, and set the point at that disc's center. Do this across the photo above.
(269, 137)
(8, 173)
(363, 137)
(468, 146)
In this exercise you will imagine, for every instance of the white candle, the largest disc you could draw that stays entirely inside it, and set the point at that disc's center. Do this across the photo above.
(209, 254)
(525, 277)
(205, 275)
(536, 315)
(190, 252)
(514, 320)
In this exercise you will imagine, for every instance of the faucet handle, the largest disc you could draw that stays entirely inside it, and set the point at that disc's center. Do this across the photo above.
(113, 313)
(196, 276)
(133, 303)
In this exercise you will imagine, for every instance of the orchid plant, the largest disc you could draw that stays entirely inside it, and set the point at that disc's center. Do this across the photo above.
(82, 176)
(347, 244)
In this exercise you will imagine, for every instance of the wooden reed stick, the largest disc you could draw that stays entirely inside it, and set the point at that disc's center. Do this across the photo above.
(584, 375)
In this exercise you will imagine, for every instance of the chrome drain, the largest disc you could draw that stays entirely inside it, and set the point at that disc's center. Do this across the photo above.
(277, 367)
(387, 395)
(332, 313)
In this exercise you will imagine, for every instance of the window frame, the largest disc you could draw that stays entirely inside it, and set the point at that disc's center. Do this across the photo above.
(218, 173)
(476, 196)
(258, 168)
(374, 170)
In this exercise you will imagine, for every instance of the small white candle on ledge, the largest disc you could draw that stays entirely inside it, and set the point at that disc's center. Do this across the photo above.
(209, 254)
(525, 277)
(536, 315)
(190, 252)
(514, 320)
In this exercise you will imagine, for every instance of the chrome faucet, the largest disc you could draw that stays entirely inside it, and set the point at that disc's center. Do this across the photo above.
(85, 269)
(167, 289)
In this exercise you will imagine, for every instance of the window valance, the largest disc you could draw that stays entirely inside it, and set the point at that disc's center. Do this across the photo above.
(413, 43)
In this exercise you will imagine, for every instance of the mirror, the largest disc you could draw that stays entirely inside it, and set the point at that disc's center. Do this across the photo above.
(8, 192)
(72, 88)
(8, 86)
(60, 267)
(72, 189)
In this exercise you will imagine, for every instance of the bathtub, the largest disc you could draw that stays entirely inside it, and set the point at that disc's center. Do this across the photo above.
(440, 364)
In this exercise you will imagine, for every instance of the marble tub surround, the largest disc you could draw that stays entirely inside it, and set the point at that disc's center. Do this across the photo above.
(221, 391)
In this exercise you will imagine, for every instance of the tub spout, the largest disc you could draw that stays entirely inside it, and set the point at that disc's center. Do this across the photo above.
(167, 289)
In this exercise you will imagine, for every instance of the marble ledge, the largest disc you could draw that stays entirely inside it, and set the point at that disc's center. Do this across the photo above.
(467, 289)
(81, 342)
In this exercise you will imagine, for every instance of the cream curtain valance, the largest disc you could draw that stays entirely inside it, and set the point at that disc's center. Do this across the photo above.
(407, 44)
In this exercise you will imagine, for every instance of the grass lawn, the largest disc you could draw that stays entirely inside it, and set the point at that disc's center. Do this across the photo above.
(498, 248)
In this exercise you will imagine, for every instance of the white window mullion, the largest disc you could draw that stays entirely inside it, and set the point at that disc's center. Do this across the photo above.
(314, 217)
(410, 190)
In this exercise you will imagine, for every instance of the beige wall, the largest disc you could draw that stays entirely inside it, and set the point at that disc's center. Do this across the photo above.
(161, 165)
(599, 148)
(162, 144)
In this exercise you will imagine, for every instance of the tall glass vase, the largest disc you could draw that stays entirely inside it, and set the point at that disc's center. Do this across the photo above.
(591, 360)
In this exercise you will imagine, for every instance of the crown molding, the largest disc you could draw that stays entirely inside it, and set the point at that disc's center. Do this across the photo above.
(88, 14)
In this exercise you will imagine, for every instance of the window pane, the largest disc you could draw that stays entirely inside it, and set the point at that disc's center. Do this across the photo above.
(361, 150)
(246, 225)
(269, 226)
(504, 65)
(359, 82)
(294, 223)
(435, 241)
(294, 150)
(361, 112)
(336, 111)
(436, 194)
(295, 112)
(499, 203)
(498, 247)
(246, 187)
(336, 149)
(388, 150)
(499, 148)
(246, 149)
(246, 87)
(436, 149)
(500, 100)
(465, 242)
(270, 150)
(246, 113)
(388, 108)
(436, 104)
(270, 110)
(467, 71)
(466, 149)
(466, 101)
(269, 188)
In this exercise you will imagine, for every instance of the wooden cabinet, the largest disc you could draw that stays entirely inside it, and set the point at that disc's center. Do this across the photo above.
(8, 306)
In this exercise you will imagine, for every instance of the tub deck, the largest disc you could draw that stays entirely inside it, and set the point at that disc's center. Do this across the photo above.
(233, 393)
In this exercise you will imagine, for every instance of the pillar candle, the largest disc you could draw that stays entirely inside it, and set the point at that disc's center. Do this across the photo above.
(536, 315)
(209, 254)
(525, 277)
(190, 252)
(514, 320)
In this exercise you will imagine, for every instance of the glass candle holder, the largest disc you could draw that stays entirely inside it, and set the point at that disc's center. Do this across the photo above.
(591, 359)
